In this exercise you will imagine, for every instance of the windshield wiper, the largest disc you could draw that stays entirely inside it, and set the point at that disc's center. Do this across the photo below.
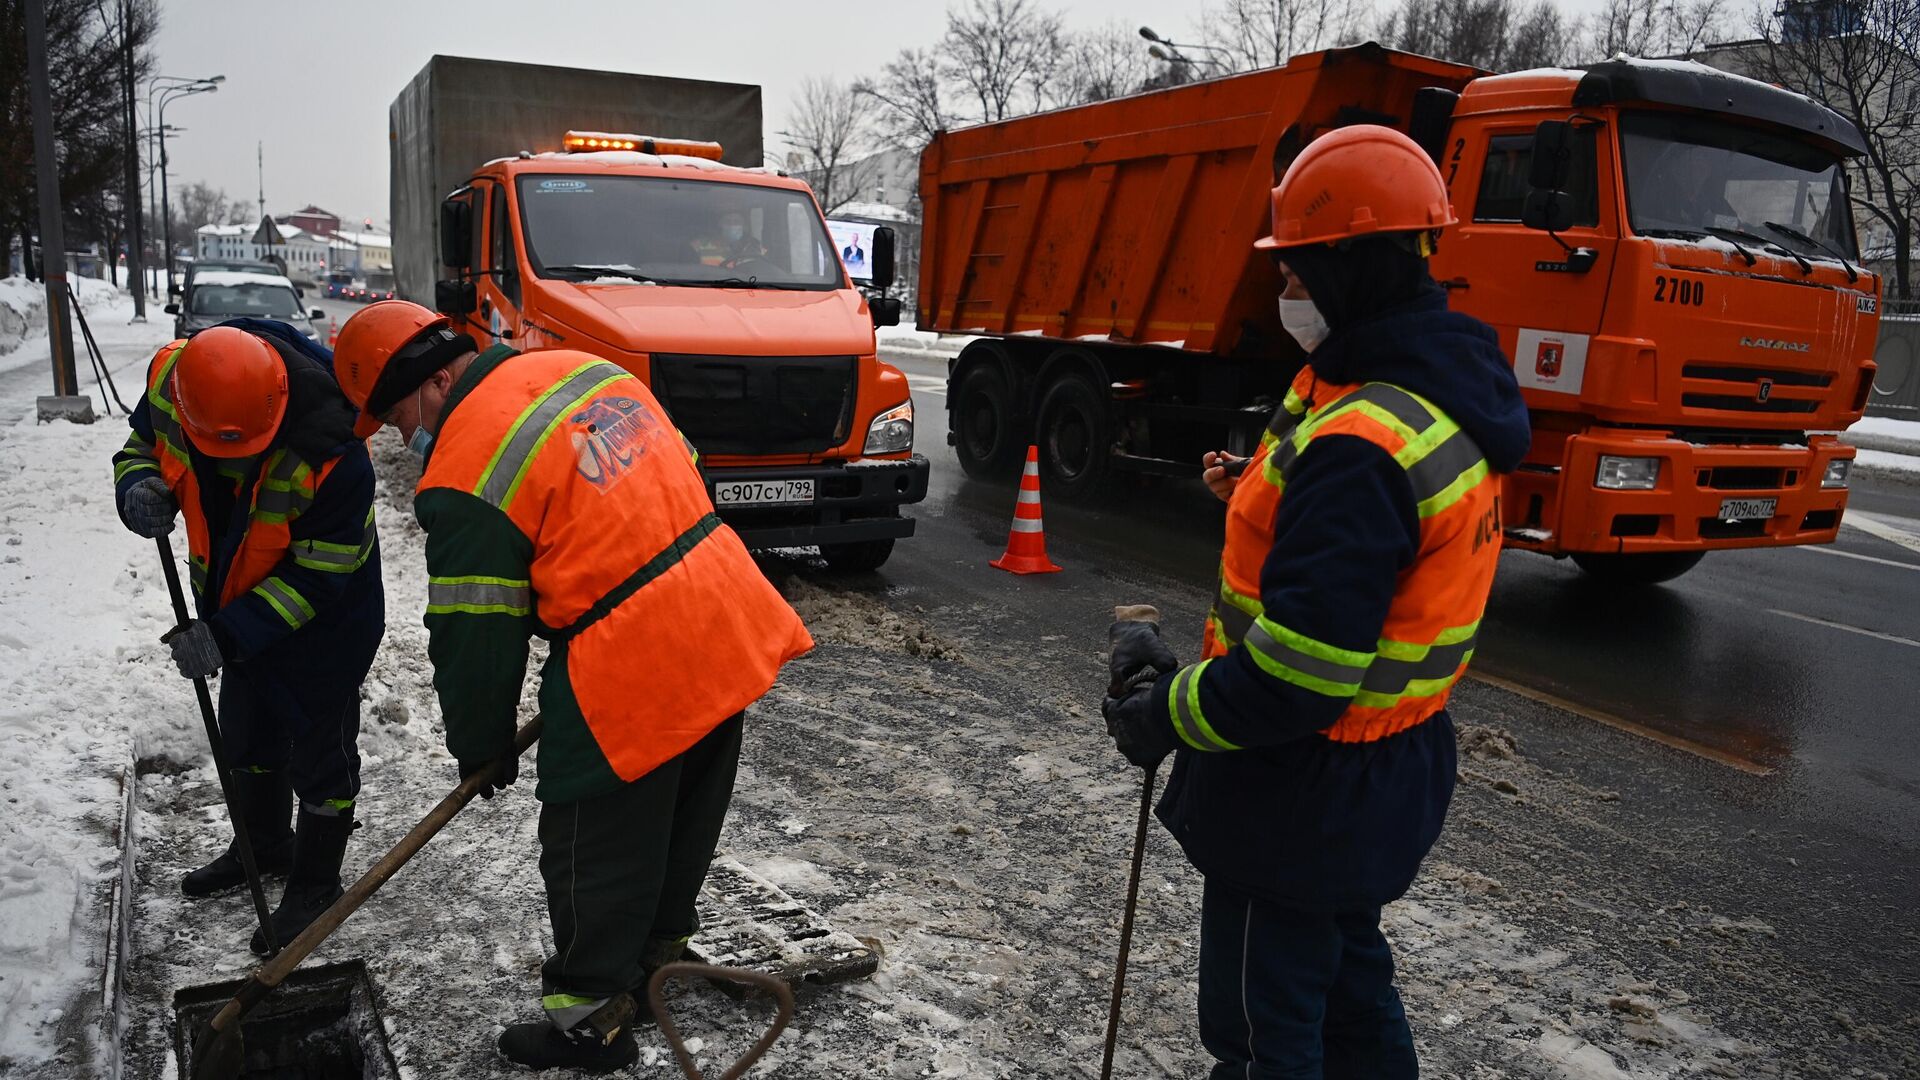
(1792, 233)
(1765, 245)
(730, 283)
(1673, 234)
(604, 271)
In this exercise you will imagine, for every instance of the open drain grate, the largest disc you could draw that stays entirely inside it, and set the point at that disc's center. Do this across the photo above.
(320, 1024)
(747, 922)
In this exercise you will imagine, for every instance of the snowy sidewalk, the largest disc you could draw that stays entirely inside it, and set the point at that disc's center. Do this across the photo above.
(1886, 446)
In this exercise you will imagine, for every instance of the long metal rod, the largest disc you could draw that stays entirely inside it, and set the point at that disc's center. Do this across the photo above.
(1126, 921)
(241, 840)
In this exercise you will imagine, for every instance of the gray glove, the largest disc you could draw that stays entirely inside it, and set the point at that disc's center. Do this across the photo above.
(195, 652)
(148, 508)
(1136, 648)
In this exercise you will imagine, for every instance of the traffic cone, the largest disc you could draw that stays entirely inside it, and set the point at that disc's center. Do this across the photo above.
(333, 333)
(1027, 542)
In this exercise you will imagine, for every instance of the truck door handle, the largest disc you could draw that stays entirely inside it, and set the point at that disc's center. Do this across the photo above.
(1456, 283)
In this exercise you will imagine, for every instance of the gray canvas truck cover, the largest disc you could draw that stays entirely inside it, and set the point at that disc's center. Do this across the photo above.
(459, 113)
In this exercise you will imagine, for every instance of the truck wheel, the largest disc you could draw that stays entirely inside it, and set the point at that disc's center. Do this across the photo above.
(984, 438)
(1076, 437)
(857, 557)
(1649, 568)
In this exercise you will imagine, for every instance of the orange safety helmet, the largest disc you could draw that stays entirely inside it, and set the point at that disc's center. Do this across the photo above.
(1357, 181)
(368, 341)
(231, 391)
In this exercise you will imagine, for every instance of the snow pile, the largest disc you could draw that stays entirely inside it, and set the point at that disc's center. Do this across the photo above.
(23, 307)
(909, 338)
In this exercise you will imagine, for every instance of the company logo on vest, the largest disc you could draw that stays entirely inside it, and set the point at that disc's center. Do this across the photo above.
(609, 435)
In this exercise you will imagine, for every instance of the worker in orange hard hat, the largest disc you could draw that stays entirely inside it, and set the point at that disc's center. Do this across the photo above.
(559, 500)
(1314, 758)
(244, 433)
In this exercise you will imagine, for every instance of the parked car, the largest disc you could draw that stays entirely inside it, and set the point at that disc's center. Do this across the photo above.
(219, 295)
(247, 266)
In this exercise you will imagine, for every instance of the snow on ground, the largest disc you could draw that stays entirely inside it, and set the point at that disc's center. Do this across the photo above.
(23, 313)
(928, 779)
(1907, 430)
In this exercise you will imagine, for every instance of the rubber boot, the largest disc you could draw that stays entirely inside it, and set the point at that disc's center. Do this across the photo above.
(603, 1042)
(313, 882)
(263, 800)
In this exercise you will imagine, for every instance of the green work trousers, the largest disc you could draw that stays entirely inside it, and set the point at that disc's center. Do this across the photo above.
(624, 867)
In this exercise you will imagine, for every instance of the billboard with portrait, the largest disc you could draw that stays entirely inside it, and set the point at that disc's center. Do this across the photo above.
(854, 241)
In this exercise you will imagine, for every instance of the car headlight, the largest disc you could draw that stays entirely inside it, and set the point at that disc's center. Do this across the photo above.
(1837, 471)
(1627, 473)
(892, 431)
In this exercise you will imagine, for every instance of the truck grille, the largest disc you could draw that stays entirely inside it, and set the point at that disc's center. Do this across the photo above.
(758, 404)
(1728, 388)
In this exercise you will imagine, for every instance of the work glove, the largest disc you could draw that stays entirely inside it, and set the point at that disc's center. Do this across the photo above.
(148, 508)
(195, 652)
(1145, 739)
(1137, 647)
(509, 772)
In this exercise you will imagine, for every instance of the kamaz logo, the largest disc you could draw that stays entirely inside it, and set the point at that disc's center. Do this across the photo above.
(1775, 343)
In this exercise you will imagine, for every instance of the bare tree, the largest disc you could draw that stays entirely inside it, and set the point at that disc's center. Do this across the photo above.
(909, 99)
(829, 143)
(1249, 34)
(1465, 31)
(1541, 38)
(1655, 27)
(1001, 55)
(1861, 59)
(1098, 64)
(200, 203)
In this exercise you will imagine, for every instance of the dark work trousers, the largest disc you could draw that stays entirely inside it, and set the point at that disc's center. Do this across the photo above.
(1298, 995)
(626, 866)
(272, 719)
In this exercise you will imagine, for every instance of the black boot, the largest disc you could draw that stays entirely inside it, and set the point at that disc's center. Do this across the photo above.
(603, 1042)
(263, 801)
(313, 882)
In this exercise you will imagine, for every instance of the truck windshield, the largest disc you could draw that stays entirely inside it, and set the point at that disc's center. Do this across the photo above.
(1695, 175)
(675, 232)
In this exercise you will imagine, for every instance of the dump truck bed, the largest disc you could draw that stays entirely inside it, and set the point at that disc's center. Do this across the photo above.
(1133, 220)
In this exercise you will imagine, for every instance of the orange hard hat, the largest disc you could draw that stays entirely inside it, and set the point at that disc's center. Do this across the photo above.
(368, 342)
(231, 391)
(1357, 181)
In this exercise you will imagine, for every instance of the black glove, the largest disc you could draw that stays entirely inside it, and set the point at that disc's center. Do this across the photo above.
(148, 507)
(195, 652)
(509, 772)
(1145, 739)
(1136, 648)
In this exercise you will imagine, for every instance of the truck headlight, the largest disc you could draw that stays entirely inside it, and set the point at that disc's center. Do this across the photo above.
(1627, 473)
(892, 431)
(1837, 471)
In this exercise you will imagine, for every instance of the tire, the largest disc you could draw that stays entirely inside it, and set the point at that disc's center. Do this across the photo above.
(984, 422)
(857, 557)
(1075, 436)
(1645, 569)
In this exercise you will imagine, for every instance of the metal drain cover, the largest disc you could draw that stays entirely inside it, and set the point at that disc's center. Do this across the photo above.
(747, 922)
(320, 1024)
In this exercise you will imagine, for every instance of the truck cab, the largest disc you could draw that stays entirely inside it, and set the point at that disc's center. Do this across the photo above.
(720, 287)
(1668, 254)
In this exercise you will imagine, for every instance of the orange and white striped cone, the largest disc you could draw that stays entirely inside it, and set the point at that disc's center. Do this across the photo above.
(1027, 542)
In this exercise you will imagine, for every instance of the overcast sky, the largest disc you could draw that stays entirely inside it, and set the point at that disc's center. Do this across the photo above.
(311, 82)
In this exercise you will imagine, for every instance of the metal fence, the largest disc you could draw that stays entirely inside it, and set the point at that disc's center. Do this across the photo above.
(1896, 386)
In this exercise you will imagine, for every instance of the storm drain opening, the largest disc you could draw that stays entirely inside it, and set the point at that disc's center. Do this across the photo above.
(320, 1024)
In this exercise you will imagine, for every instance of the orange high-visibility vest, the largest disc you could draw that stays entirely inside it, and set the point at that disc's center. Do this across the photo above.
(1438, 602)
(663, 623)
(285, 490)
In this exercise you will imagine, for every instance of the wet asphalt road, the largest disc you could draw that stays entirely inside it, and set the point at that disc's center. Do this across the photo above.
(1791, 675)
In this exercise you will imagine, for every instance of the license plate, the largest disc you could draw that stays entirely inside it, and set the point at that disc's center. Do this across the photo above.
(1746, 509)
(763, 492)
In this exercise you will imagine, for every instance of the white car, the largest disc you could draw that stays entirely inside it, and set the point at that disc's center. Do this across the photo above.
(219, 295)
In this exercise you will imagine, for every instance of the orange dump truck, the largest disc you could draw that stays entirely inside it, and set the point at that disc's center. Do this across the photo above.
(1665, 250)
(601, 211)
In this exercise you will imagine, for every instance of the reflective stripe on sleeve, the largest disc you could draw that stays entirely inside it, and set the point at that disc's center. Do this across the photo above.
(1306, 663)
(500, 480)
(1189, 722)
(335, 558)
(286, 600)
(1406, 670)
(473, 595)
(1443, 472)
(287, 491)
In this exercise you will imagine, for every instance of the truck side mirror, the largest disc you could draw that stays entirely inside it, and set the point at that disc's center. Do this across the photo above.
(171, 309)
(885, 309)
(456, 231)
(1551, 211)
(883, 261)
(456, 298)
(1552, 155)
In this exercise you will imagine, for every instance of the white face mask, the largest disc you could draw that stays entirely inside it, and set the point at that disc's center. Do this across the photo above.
(1304, 322)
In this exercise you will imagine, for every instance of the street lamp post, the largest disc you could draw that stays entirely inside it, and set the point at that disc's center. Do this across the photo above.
(1169, 51)
(168, 88)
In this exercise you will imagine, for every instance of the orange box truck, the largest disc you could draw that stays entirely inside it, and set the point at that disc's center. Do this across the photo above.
(1665, 250)
(628, 216)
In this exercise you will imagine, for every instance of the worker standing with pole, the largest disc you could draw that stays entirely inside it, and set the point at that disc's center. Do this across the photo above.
(243, 432)
(1315, 755)
(560, 501)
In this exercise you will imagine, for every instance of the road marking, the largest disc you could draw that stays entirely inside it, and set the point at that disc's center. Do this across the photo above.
(1818, 550)
(1895, 638)
(1883, 529)
(1676, 742)
(927, 384)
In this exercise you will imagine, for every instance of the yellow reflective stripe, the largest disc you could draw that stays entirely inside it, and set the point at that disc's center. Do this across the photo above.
(1404, 665)
(286, 600)
(1455, 491)
(124, 469)
(479, 595)
(1295, 658)
(1183, 705)
(500, 480)
(567, 1001)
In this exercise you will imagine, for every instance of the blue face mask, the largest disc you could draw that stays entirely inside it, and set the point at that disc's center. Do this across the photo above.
(420, 443)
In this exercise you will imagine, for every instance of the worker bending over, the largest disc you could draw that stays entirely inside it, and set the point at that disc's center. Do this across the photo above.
(1315, 755)
(243, 431)
(560, 501)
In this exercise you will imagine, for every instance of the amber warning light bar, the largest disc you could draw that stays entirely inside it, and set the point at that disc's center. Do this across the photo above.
(589, 141)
